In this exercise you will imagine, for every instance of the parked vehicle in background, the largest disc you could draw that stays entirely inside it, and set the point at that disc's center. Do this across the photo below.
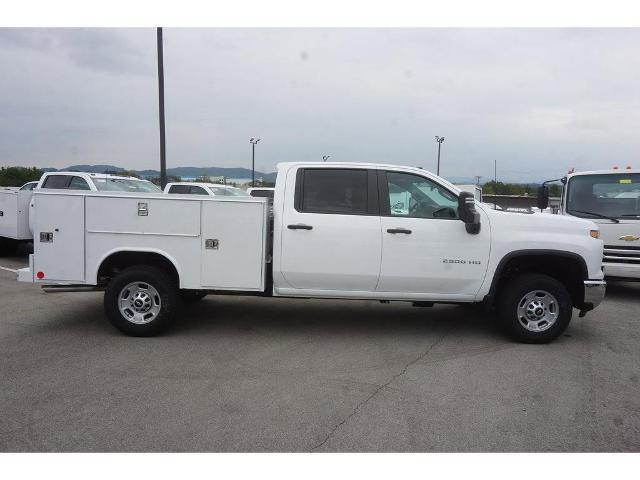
(29, 186)
(611, 199)
(15, 204)
(264, 192)
(476, 190)
(338, 233)
(204, 188)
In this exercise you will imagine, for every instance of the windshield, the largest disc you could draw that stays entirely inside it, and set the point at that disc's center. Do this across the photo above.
(232, 192)
(124, 185)
(609, 195)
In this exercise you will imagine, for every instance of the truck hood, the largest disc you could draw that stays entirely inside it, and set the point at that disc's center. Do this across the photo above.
(542, 222)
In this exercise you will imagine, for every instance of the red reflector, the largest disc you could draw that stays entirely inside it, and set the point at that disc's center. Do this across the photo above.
(40, 275)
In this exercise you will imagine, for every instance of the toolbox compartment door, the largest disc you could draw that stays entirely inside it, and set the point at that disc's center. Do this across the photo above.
(58, 238)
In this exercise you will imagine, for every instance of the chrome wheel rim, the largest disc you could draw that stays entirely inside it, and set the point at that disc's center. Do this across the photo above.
(139, 303)
(538, 310)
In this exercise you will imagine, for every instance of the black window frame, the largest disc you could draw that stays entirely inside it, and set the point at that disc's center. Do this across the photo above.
(385, 204)
(372, 202)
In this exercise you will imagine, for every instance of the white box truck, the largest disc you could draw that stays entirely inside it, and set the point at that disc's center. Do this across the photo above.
(336, 235)
(15, 204)
(611, 199)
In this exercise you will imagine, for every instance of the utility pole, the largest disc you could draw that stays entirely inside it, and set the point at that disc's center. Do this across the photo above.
(325, 157)
(439, 140)
(253, 142)
(163, 151)
(495, 172)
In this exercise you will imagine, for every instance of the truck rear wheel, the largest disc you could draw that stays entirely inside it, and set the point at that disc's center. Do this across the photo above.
(534, 308)
(140, 301)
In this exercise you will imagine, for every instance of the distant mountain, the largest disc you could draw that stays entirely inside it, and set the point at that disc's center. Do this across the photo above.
(187, 172)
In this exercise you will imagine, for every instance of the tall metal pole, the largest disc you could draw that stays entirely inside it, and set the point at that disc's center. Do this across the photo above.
(495, 172)
(163, 151)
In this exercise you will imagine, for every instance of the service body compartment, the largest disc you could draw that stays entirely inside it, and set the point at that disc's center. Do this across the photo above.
(234, 239)
(58, 238)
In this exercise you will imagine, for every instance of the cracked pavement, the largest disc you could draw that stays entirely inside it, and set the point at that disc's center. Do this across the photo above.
(259, 374)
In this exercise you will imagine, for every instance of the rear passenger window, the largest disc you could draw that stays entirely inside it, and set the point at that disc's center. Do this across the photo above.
(78, 183)
(338, 191)
(56, 181)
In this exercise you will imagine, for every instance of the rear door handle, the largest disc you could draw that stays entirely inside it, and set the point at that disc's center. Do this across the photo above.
(299, 226)
(398, 230)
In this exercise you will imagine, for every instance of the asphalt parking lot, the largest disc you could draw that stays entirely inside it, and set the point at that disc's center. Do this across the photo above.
(259, 374)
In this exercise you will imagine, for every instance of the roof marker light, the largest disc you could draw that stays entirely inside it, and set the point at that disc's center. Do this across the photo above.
(40, 275)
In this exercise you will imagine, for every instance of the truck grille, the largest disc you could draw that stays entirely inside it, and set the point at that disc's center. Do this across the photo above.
(621, 254)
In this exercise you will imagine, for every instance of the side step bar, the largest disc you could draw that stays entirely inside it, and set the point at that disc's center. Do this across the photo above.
(71, 288)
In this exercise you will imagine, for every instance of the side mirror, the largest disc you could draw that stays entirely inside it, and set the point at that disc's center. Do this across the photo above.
(467, 212)
(543, 197)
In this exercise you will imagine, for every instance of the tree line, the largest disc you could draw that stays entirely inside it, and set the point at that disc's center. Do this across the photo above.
(500, 188)
(18, 176)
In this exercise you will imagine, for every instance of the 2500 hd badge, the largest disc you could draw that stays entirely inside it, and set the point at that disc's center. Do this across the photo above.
(461, 262)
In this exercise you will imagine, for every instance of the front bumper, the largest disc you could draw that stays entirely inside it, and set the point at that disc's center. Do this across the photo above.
(593, 294)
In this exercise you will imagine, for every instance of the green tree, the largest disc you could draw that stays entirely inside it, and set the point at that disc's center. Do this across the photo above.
(18, 176)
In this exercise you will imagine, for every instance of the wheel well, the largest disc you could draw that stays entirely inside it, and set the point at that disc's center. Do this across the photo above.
(118, 261)
(567, 268)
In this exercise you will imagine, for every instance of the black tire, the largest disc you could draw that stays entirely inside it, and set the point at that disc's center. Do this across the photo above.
(192, 296)
(515, 290)
(166, 301)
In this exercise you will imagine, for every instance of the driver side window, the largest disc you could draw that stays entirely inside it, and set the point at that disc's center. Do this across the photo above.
(418, 197)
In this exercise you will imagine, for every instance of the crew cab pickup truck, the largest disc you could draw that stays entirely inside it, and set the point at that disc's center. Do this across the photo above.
(15, 226)
(340, 231)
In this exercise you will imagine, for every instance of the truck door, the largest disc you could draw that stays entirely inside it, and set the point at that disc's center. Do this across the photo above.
(425, 247)
(331, 230)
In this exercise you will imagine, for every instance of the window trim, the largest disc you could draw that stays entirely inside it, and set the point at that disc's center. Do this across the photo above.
(385, 204)
(372, 203)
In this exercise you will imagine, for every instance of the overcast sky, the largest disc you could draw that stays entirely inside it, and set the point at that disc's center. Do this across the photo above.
(538, 100)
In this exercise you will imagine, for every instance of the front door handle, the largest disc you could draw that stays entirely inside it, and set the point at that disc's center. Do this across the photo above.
(399, 230)
(299, 226)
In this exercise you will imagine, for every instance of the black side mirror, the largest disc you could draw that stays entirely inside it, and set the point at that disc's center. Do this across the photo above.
(543, 197)
(467, 212)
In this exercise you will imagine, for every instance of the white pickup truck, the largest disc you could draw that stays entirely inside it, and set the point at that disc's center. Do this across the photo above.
(336, 234)
(15, 226)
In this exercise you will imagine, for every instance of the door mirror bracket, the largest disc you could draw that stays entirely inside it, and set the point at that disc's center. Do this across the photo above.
(467, 212)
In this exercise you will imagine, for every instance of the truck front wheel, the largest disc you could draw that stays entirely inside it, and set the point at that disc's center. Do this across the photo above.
(534, 308)
(140, 301)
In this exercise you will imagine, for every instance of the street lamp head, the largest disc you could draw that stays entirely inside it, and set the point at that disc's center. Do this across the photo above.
(251, 140)
(254, 140)
(439, 139)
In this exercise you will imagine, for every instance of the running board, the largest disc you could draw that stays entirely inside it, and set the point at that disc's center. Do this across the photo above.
(71, 288)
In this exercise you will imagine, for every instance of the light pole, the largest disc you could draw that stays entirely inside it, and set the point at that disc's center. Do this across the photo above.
(163, 151)
(325, 157)
(253, 142)
(439, 140)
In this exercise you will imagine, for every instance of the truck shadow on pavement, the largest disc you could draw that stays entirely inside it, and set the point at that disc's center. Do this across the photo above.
(293, 316)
